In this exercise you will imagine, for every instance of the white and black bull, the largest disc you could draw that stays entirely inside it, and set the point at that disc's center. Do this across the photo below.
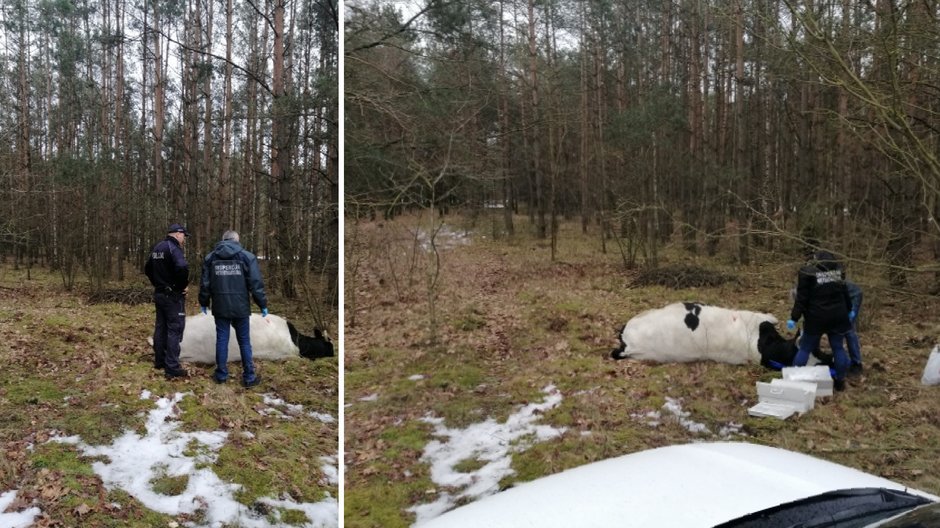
(684, 332)
(272, 338)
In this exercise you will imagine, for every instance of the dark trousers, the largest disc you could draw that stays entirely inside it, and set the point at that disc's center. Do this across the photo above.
(168, 330)
(852, 344)
(809, 342)
(243, 336)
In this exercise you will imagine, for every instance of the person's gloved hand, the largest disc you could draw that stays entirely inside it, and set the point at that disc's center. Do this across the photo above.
(264, 312)
(791, 324)
(852, 315)
(205, 309)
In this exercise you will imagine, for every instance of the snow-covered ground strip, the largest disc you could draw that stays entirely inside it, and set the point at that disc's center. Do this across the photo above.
(489, 444)
(288, 411)
(134, 461)
(674, 411)
(444, 238)
(20, 519)
(330, 468)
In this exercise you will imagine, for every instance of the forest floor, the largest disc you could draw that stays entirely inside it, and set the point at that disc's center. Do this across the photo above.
(78, 392)
(513, 327)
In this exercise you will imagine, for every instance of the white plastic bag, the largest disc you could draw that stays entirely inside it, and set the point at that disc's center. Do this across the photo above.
(932, 371)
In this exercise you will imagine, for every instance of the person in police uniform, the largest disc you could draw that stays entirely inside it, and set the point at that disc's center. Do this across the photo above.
(169, 273)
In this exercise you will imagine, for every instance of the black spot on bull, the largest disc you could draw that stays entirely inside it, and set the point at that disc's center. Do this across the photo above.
(691, 318)
(311, 347)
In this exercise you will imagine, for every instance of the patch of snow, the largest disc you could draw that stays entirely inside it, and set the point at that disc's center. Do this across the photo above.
(488, 443)
(291, 408)
(370, 398)
(288, 411)
(329, 469)
(731, 429)
(673, 407)
(652, 418)
(323, 513)
(20, 519)
(416, 377)
(444, 238)
(323, 417)
(134, 461)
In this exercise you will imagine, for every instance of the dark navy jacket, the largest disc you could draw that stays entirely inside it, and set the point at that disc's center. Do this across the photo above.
(230, 278)
(167, 268)
(822, 298)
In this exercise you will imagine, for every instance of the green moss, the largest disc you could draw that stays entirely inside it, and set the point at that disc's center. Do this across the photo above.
(375, 368)
(410, 436)
(572, 305)
(470, 320)
(196, 416)
(57, 321)
(469, 465)
(168, 485)
(133, 514)
(238, 462)
(32, 391)
(764, 428)
(294, 517)
(870, 399)
(458, 376)
(378, 505)
(102, 426)
(59, 457)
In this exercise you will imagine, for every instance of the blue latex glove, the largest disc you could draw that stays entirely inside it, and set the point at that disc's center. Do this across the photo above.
(852, 315)
(791, 324)
(204, 309)
(264, 312)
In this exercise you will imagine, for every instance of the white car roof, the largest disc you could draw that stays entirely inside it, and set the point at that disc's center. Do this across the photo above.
(691, 485)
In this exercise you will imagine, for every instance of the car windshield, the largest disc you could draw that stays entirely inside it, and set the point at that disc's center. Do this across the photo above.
(852, 508)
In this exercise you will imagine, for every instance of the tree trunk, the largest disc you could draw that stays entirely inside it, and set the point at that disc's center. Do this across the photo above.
(226, 188)
(280, 159)
(158, 101)
(535, 153)
(741, 166)
(505, 138)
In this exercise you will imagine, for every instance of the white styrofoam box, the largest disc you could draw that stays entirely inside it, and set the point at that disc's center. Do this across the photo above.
(766, 409)
(818, 374)
(782, 398)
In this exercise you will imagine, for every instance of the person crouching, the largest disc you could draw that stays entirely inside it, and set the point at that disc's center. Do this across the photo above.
(822, 300)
